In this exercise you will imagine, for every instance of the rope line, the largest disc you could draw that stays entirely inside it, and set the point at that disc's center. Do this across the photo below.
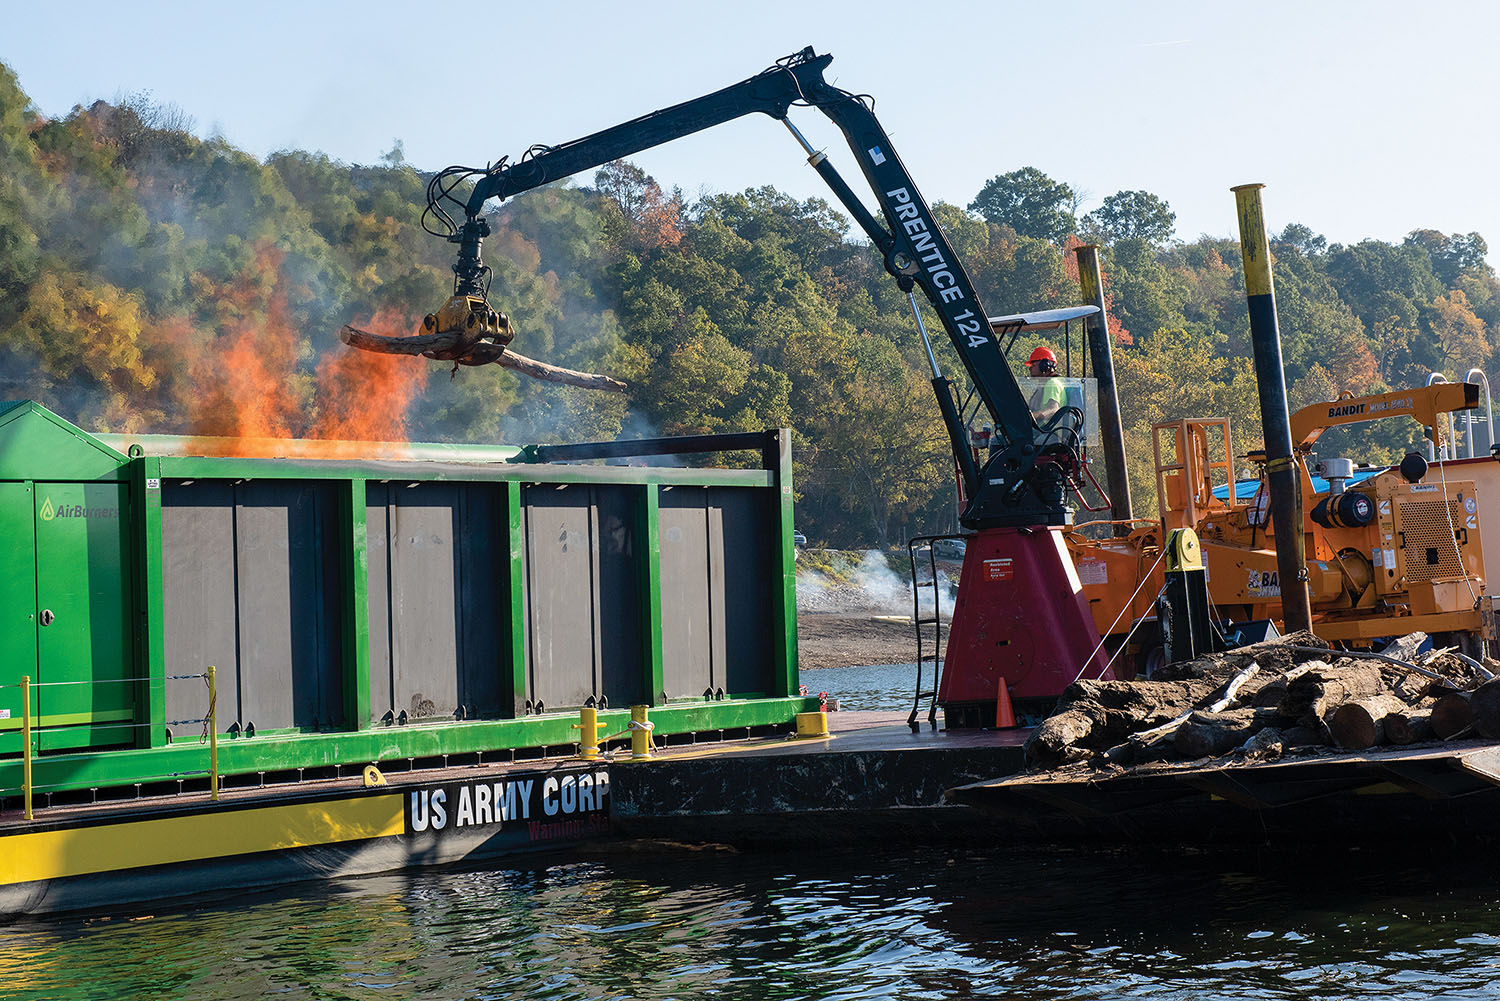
(1128, 606)
(213, 698)
(108, 681)
(1453, 534)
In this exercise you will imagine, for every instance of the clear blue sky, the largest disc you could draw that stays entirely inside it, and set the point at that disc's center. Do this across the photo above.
(1364, 119)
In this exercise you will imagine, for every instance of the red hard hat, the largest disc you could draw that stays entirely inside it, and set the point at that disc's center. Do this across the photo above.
(1042, 354)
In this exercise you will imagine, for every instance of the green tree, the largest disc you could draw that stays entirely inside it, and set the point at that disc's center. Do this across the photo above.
(1029, 202)
(21, 200)
(648, 218)
(1133, 215)
(1303, 238)
(1452, 257)
(1149, 295)
(1387, 287)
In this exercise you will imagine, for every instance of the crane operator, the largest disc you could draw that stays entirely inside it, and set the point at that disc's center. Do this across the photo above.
(1050, 396)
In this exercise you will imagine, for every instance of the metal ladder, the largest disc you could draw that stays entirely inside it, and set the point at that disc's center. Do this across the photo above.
(923, 544)
(1450, 445)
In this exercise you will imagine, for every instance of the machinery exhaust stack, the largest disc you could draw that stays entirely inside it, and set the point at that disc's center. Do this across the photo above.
(1102, 354)
(1270, 377)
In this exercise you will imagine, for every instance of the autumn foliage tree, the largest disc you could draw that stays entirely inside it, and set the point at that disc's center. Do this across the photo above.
(154, 280)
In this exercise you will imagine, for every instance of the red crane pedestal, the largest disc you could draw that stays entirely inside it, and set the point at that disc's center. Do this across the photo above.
(1021, 617)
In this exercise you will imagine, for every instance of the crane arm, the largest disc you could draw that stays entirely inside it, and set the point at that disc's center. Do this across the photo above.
(914, 250)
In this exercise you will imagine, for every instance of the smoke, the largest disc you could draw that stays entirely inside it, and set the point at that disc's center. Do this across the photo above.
(637, 425)
(251, 381)
(242, 272)
(881, 586)
(864, 583)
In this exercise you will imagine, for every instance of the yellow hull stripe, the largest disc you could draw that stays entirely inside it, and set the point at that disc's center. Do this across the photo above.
(131, 845)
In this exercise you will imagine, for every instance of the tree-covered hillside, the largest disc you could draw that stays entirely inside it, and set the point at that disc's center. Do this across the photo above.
(152, 280)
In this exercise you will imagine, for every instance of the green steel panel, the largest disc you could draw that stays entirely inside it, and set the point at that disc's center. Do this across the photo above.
(355, 569)
(618, 619)
(784, 612)
(152, 658)
(54, 451)
(17, 602)
(650, 536)
(82, 565)
(36, 444)
(514, 638)
(66, 719)
(562, 607)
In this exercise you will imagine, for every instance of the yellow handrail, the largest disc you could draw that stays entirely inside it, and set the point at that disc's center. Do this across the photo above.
(32, 725)
(26, 743)
(213, 735)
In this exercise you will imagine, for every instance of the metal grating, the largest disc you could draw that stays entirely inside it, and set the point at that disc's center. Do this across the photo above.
(1428, 546)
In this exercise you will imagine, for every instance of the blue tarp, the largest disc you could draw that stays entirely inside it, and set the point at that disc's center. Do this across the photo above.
(1244, 490)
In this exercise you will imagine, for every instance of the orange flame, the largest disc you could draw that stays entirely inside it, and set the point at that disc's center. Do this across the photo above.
(364, 396)
(255, 389)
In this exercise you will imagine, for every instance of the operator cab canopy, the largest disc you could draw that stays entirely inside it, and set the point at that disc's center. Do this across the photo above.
(1081, 393)
(1042, 319)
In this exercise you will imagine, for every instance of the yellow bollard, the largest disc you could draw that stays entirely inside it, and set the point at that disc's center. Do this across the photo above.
(812, 724)
(640, 733)
(213, 736)
(26, 743)
(588, 739)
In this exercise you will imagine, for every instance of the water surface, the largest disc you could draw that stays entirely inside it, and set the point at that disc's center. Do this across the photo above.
(881, 686)
(661, 922)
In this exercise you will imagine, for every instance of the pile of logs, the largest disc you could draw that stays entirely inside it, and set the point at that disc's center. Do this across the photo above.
(1262, 701)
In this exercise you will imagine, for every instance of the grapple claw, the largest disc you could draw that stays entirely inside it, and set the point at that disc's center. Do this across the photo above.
(484, 331)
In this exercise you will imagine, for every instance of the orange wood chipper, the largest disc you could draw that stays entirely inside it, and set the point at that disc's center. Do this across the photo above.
(1389, 551)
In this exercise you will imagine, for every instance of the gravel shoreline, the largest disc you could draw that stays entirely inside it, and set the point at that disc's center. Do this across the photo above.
(854, 640)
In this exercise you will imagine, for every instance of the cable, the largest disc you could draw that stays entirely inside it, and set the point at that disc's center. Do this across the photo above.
(440, 188)
(1128, 606)
(213, 698)
(1484, 672)
(1453, 535)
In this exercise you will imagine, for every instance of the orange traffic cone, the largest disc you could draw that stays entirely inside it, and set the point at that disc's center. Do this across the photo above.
(1005, 717)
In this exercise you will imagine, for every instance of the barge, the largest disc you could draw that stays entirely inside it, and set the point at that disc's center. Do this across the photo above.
(408, 608)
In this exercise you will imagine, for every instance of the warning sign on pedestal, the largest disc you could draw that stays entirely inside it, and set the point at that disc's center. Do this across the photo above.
(998, 569)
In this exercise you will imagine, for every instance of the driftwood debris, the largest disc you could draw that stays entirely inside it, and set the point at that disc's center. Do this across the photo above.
(1360, 724)
(1209, 734)
(1149, 739)
(438, 345)
(1267, 743)
(1452, 715)
(1485, 702)
(1409, 727)
(1288, 696)
(1316, 694)
(1110, 711)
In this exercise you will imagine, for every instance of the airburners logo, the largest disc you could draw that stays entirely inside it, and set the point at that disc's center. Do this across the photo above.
(48, 511)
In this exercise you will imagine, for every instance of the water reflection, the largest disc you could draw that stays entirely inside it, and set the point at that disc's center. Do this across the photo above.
(652, 922)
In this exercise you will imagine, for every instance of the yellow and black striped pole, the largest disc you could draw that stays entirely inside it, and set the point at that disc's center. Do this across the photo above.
(1270, 377)
(1091, 279)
